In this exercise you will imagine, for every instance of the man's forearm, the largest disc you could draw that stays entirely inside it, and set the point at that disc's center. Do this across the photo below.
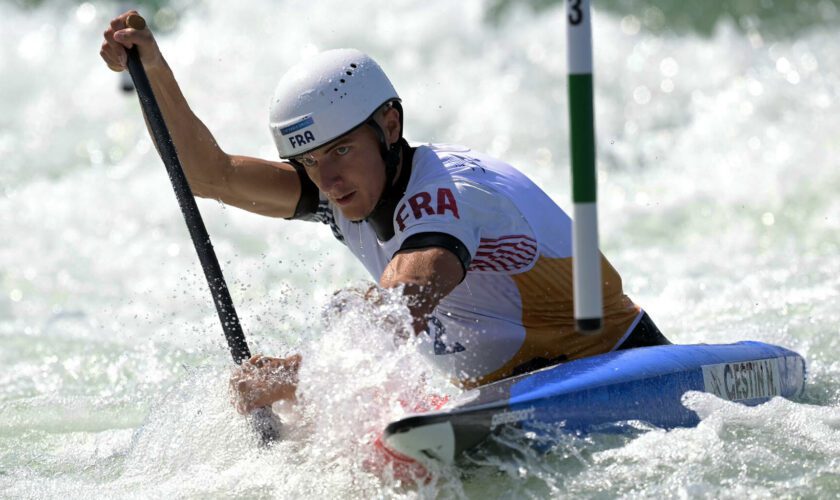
(204, 162)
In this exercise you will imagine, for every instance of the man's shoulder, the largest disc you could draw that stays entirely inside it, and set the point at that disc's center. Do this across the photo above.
(457, 160)
(451, 159)
(455, 166)
(450, 169)
(462, 166)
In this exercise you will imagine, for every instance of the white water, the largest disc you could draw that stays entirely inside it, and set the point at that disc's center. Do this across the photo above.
(718, 182)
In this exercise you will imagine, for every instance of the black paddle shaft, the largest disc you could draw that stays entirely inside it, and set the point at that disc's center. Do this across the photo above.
(263, 420)
(201, 240)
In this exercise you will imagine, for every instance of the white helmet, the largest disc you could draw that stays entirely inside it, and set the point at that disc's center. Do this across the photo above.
(324, 97)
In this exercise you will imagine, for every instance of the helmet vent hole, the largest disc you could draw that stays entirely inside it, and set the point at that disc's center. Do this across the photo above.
(342, 80)
(349, 73)
(353, 65)
(336, 89)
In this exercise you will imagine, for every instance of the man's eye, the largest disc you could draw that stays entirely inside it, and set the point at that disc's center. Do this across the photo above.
(342, 150)
(308, 162)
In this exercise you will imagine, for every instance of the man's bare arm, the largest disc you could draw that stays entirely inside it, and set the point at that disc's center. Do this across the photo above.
(260, 186)
(428, 274)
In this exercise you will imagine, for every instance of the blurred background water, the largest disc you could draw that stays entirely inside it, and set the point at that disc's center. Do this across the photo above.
(718, 178)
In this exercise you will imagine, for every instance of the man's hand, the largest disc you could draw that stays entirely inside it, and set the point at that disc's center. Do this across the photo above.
(119, 37)
(262, 380)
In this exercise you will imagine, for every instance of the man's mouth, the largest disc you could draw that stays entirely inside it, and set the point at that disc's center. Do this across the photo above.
(343, 200)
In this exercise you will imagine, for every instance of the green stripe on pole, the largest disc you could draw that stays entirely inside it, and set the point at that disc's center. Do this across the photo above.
(582, 129)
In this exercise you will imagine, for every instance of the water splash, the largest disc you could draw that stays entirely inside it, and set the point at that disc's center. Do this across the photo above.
(110, 352)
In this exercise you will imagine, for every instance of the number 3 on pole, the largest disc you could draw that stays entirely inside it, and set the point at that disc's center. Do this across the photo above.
(586, 256)
(575, 12)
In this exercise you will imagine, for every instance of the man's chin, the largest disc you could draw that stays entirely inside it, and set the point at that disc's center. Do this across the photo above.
(353, 214)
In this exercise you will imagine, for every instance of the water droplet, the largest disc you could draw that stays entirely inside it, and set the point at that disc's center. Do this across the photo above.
(768, 219)
(85, 13)
(630, 25)
(641, 95)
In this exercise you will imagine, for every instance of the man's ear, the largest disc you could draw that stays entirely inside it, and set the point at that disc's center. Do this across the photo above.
(391, 118)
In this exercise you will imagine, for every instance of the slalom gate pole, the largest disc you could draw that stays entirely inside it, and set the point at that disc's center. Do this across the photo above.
(586, 257)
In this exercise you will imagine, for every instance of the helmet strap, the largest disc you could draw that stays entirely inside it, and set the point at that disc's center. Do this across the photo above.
(390, 154)
(381, 217)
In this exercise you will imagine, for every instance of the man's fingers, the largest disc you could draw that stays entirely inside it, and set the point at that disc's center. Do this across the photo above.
(295, 359)
(127, 37)
(262, 380)
(119, 22)
(119, 37)
(122, 33)
(114, 56)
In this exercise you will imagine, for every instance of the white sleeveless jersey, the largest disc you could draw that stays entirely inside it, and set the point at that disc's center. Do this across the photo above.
(514, 305)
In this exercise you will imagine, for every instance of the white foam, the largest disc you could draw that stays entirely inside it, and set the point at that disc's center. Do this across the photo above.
(109, 345)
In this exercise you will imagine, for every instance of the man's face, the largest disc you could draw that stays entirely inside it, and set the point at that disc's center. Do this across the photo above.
(350, 171)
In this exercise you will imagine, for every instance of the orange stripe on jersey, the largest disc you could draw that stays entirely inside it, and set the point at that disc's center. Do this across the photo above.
(548, 315)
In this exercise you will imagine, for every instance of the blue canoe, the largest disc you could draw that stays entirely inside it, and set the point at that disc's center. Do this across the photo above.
(595, 393)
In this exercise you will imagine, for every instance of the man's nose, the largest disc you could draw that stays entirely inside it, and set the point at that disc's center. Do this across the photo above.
(330, 173)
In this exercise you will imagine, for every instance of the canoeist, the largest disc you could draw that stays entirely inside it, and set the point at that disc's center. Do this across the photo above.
(482, 254)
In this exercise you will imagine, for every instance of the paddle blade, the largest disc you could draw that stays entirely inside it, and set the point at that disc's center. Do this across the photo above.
(267, 425)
